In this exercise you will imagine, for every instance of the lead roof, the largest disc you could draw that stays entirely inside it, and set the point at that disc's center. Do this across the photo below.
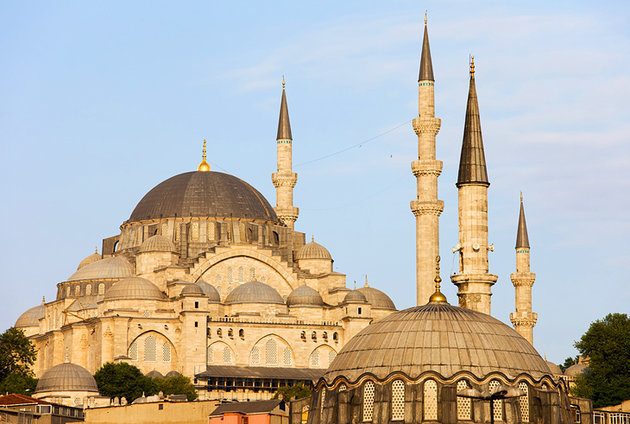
(284, 126)
(426, 67)
(522, 240)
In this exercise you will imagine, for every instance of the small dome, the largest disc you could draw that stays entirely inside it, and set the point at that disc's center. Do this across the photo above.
(133, 288)
(254, 292)
(209, 290)
(354, 296)
(305, 296)
(155, 374)
(89, 260)
(377, 298)
(67, 377)
(555, 370)
(575, 370)
(313, 250)
(31, 317)
(192, 290)
(108, 268)
(157, 243)
(172, 374)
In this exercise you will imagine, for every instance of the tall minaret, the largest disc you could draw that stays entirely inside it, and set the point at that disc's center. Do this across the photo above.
(427, 208)
(284, 180)
(473, 280)
(523, 319)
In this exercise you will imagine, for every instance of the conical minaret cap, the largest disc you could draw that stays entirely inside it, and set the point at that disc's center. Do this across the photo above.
(522, 240)
(426, 67)
(472, 162)
(284, 126)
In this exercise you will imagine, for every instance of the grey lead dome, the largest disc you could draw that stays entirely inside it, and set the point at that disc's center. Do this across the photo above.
(254, 292)
(133, 288)
(67, 377)
(305, 296)
(108, 268)
(31, 317)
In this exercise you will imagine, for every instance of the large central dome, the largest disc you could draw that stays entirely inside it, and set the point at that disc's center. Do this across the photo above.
(204, 194)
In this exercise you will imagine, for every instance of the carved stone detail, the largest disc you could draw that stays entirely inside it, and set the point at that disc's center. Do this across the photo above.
(427, 208)
(427, 125)
(426, 167)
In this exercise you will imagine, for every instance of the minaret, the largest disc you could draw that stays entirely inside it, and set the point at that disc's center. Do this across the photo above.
(284, 180)
(473, 280)
(426, 208)
(523, 319)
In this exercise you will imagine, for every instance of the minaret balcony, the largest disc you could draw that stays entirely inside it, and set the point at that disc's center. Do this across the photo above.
(427, 125)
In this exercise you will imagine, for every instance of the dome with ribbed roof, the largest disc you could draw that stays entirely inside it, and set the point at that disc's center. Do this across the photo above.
(555, 369)
(108, 268)
(89, 260)
(210, 291)
(575, 370)
(254, 292)
(67, 377)
(192, 290)
(377, 298)
(305, 296)
(440, 338)
(204, 194)
(354, 296)
(313, 250)
(133, 288)
(157, 243)
(31, 317)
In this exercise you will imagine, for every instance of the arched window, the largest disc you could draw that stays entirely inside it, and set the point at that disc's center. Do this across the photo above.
(524, 401)
(255, 356)
(287, 358)
(314, 359)
(133, 351)
(101, 288)
(252, 274)
(150, 353)
(398, 400)
(227, 355)
(430, 400)
(464, 405)
(497, 404)
(229, 274)
(276, 238)
(271, 352)
(88, 290)
(166, 352)
(343, 387)
(241, 333)
(68, 291)
(331, 356)
(210, 359)
(368, 400)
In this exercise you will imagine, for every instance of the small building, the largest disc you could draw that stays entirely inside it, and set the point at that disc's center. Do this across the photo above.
(615, 414)
(273, 411)
(163, 411)
(18, 409)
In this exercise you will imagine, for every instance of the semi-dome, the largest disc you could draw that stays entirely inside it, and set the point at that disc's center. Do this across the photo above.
(437, 337)
(354, 296)
(157, 243)
(31, 317)
(192, 290)
(67, 377)
(305, 296)
(575, 370)
(133, 288)
(377, 298)
(108, 268)
(210, 291)
(313, 250)
(254, 292)
(89, 260)
(204, 194)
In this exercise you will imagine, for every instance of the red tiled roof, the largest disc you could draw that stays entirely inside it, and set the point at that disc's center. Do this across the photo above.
(17, 399)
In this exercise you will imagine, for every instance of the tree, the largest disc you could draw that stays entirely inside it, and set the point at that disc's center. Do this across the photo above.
(607, 345)
(123, 380)
(296, 391)
(18, 382)
(177, 385)
(567, 363)
(17, 353)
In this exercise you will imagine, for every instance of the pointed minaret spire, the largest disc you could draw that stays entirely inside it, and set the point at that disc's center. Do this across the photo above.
(523, 318)
(285, 179)
(426, 67)
(474, 282)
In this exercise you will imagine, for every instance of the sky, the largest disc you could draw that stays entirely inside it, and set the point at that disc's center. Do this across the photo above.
(101, 101)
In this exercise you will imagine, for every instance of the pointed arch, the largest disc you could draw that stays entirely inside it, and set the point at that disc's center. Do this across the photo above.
(220, 353)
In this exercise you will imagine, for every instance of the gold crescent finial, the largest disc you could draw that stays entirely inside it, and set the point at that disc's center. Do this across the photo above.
(472, 66)
(96, 249)
(283, 83)
(437, 296)
(521, 197)
(203, 166)
(425, 17)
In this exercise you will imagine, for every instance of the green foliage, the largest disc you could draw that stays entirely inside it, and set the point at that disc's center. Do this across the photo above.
(567, 363)
(17, 353)
(177, 385)
(18, 382)
(123, 380)
(296, 391)
(607, 345)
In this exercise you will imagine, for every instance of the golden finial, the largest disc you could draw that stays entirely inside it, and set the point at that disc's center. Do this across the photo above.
(366, 283)
(425, 17)
(96, 250)
(203, 166)
(355, 284)
(437, 296)
(312, 238)
(521, 197)
(472, 66)
(283, 83)
(43, 300)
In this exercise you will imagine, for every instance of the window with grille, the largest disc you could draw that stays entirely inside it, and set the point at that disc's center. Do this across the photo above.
(343, 387)
(368, 400)
(255, 357)
(210, 355)
(101, 288)
(271, 352)
(464, 405)
(497, 404)
(88, 290)
(229, 275)
(315, 359)
(430, 400)
(524, 401)
(150, 353)
(227, 355)
(252, 274)
(77, 290)
(133, 351)
(241, 274)
(287, 357)
(166, 352)
(398, 400)
(331, 356)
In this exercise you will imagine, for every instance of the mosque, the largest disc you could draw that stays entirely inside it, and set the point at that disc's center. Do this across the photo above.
(208, 280)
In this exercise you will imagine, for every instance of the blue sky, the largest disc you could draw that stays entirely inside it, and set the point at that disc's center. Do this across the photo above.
(100, 101)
